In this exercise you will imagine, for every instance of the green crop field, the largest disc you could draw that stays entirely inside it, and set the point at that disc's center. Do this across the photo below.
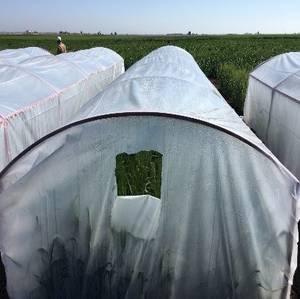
(225, 59)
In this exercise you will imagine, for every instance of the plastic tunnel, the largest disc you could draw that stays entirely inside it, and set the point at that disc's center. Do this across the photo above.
(272, 107)
(42, 93)
(157, 189)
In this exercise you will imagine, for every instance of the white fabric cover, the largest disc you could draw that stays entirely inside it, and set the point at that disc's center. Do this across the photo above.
(126, 215)
(15, 56)
(227, 224)
(40, 94)
(272, 107)
(146, 87)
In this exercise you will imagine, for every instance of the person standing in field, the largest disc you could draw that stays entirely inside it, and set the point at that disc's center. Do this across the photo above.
(61, 47)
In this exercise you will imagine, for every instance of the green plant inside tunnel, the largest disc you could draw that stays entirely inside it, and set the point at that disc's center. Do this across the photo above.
(139, 174)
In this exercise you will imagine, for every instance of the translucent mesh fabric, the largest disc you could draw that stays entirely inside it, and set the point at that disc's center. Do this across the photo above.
(272, 107)
(291, 87)
(18, 89)
(283, 133)
(42, 93)
(15, 56)
(257, 107)
(225, 225)
(278, 69)
(93, 60)
(168, 80)
(54, 71)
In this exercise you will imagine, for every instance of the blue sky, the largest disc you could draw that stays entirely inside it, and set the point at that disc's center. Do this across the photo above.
(156, 16)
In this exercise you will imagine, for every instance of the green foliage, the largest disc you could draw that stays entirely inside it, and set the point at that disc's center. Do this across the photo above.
(139, 174)
(233, 85)
(227, 58)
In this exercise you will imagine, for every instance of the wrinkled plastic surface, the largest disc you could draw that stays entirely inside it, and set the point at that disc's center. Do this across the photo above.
(228, 212)
(126, 216)
(272, 107)
(42, 93)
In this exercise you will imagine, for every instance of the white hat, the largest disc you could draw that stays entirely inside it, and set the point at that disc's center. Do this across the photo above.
(59, 39)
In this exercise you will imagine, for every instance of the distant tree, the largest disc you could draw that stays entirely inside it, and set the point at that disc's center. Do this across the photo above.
(189, 33)
(81, 32)
(99, 33)
(115, 33)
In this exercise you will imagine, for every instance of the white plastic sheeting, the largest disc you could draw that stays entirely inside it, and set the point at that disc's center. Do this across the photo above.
(272, 107)
(40, 94)
(126, 215)
(15, 56)
(225, 225)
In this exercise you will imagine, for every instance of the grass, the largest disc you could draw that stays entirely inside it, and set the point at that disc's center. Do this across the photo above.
(139, 174)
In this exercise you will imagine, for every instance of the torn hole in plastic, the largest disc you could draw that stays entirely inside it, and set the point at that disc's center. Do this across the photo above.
(137, 207)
